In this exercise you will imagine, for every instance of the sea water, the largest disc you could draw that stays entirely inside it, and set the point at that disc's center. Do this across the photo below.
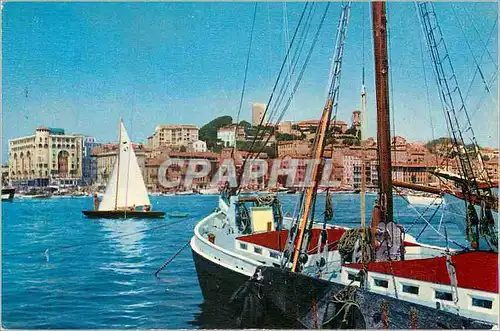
(61, 270)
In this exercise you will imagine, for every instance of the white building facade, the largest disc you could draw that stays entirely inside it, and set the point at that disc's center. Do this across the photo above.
(47, 157)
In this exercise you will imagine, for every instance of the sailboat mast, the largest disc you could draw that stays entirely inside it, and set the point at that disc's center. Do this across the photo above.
(382, 97)
(118, 160)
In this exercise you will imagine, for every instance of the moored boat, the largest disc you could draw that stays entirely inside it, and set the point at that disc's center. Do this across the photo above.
(315, 275)
(8, 194)
(420, 200)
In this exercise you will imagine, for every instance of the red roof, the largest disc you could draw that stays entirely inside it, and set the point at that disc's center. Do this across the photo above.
(475, 270)
(273, 240)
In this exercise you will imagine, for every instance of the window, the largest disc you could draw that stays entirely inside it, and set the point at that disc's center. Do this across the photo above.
(257, 250)
(274, 255)
(443, 295)
(381, 283)
(243, 246)
(410, 289)
(482, 303)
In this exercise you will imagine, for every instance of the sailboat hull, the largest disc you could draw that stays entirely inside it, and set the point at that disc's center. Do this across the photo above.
(122, 214)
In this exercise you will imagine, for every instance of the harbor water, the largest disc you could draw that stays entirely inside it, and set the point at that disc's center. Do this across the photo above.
(61, 270)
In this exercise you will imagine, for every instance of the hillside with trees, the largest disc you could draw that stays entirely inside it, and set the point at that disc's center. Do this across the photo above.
(208, 132)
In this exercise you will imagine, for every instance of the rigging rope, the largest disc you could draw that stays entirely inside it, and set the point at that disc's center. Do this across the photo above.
(479, 36)
(280, 72)
(478, 68)
(299, 79)
(430, 225)
(244, 78)
(490, 35)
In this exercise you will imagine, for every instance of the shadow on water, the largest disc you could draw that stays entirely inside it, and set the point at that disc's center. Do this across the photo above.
(217, 315)
(213, 315)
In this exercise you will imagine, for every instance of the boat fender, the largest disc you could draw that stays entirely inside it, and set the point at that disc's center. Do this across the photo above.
(211, 238)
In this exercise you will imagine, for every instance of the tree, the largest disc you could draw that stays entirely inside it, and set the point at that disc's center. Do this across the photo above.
(182, 149)
(208, 132)
(438, 142)
(245, 124)
(288, 136)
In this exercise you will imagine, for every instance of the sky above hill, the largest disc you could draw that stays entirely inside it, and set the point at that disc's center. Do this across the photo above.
(82, 66)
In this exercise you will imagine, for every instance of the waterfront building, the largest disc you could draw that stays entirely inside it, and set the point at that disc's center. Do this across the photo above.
(415, 173)
(105, 156)
(294, 147)
(258, 110)
(349, 162)
(371, 173)
(173, 135)
(228, 134)
(176, 172)
(89, 162)
(491, 167)
(50, 156)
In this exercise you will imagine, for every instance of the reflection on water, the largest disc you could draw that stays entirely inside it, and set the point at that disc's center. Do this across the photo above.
(126, 235)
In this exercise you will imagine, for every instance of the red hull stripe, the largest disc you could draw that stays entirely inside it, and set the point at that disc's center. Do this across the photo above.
(475, 270)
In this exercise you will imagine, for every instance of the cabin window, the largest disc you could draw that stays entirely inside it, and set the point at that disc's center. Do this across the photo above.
(443, 295)
(274, 255)
(482, 303)
(410, 289)
(243, 246)
(381, 283)
(352, 276)
(257, 250)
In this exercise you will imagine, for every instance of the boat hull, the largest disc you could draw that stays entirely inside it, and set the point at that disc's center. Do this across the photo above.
(122, 214)
(8, 194)
(279, 289)
(217, 283)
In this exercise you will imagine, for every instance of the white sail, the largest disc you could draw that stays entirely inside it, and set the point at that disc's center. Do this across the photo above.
(126, 186)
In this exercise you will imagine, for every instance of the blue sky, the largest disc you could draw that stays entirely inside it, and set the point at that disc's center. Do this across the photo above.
(81, 66)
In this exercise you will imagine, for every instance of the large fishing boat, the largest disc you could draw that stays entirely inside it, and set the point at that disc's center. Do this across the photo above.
(304, 273)
(125, 192)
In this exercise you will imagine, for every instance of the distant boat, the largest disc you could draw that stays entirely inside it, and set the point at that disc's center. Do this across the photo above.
(8, 194)
(419, 200)
(178, 215)
(210, 191)
(186, 193)
(126, 190)
(38, 194)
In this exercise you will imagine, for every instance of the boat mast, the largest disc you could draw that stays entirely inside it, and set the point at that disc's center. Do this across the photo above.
(382, 97)
(118, 162)
(311, 190)
(321, 133)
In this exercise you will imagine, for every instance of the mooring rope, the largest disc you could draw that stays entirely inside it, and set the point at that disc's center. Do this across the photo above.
(171, 259)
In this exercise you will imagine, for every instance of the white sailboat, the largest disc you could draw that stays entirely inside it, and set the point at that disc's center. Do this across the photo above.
(125, 191)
